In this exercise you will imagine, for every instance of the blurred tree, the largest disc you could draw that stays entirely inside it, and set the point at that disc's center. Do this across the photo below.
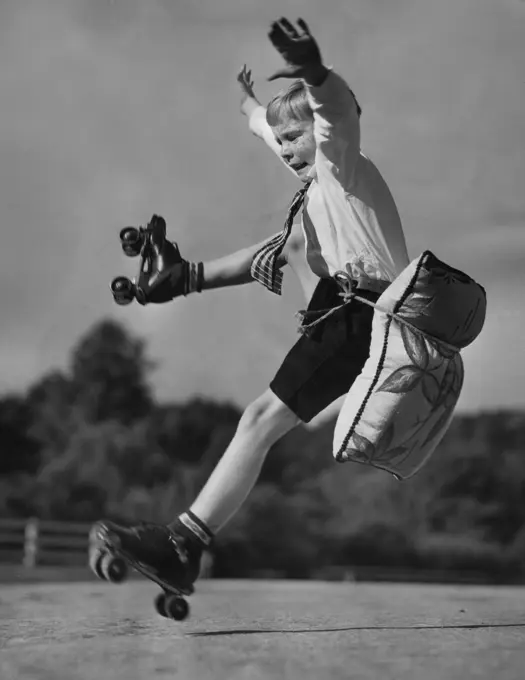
(300, 455)
(274, 532)
(185, 431)
(20, 451)
(109, 372)
(17, 495)
(53, 414)
(476, 482)
(100, 465)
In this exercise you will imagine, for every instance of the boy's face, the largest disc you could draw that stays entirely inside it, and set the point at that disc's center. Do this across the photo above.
(296, 139)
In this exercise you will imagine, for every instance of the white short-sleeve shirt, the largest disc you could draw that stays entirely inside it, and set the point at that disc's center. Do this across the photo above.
(350, 219)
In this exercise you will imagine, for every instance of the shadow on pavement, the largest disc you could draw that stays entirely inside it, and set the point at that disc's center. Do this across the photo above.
(350, 628)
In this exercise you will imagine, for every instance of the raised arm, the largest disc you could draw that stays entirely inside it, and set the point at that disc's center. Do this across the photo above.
(335, 110)
(249, 102)
(256, 114)
(337, 130)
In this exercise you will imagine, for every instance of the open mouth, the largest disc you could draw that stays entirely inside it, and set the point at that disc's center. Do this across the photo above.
(298, 166)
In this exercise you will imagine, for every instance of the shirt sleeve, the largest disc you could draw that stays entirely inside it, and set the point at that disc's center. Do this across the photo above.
(260, 128)
(336, 128)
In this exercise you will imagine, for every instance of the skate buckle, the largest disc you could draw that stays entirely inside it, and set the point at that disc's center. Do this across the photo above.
(183, 555)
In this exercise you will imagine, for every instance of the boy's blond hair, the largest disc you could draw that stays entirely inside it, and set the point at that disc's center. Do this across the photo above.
(292, 104)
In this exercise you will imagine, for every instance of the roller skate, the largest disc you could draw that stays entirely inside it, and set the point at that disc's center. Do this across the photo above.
(163, 273)
(156, 552)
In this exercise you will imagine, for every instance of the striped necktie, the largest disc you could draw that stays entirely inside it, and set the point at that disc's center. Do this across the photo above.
(264, 263)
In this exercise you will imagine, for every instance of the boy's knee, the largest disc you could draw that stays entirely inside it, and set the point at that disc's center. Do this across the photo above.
(269, 414)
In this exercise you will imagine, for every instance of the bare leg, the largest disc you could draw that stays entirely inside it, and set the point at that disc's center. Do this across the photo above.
(263, 423)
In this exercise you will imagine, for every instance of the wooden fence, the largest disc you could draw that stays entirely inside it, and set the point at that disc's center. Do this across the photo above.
(34, 542)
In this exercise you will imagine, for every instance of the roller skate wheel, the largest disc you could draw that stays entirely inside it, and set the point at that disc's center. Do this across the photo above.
(160, 602)
(113, 569)
(121, 284)
(123, 299)
(130, 251)
(95, 563)
(131, 241)
(130, 235)
(122, 290)
(176, 607)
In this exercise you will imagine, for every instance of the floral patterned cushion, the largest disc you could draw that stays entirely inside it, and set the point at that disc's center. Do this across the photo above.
(402, 403)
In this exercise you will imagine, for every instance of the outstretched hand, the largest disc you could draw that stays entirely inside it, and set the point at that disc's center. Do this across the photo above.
(245, 80)
(297, 47)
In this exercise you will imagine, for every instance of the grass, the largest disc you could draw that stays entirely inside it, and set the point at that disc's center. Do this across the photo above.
(257, 630)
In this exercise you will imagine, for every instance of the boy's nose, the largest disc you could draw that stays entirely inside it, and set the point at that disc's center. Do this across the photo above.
(286, 153)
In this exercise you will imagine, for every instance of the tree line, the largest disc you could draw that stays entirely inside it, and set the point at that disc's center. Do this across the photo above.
(91, 442)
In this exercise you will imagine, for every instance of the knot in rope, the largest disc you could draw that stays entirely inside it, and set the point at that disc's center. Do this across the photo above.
(348, 287)
(347, 284)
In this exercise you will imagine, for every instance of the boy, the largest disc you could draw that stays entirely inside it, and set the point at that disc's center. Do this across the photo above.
(294, 251)
(351, 224)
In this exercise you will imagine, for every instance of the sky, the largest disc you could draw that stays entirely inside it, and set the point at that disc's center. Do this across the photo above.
(113, 110)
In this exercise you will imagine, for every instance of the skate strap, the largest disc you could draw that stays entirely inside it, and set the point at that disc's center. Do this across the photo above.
(197, 527)
(195, 277)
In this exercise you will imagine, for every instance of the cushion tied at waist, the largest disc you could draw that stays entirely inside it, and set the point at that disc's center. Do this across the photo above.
(349, 292)
(400, 406)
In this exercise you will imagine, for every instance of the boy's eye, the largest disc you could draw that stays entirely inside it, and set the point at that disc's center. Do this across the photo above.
(287, 137)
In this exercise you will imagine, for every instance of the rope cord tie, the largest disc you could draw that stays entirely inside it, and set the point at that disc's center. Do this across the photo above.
(349, 286)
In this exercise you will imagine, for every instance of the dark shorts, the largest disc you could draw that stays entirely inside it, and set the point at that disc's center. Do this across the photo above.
(322, 367)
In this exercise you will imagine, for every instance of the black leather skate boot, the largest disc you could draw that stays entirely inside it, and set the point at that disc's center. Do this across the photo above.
(164, 273)
(161, 551)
